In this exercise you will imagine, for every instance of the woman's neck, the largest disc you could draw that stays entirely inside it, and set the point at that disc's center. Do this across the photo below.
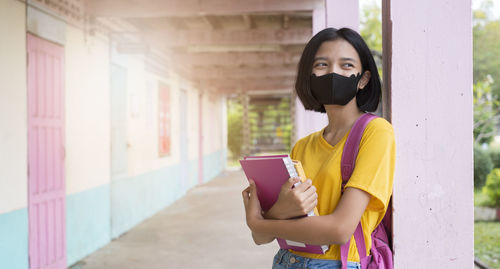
(340, 121)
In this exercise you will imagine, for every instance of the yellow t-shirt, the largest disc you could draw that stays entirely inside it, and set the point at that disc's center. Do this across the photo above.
(373, 173)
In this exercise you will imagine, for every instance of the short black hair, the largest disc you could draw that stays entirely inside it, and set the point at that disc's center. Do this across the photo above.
(367, 99)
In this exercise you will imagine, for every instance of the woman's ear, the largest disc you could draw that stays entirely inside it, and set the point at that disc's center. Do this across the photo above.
(364, 80)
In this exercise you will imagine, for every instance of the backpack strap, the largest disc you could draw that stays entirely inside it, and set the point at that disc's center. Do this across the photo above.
(351, 147)
(349, 155)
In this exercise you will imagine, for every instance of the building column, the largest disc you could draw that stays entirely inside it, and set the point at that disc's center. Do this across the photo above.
(245, 100)
(294, 104)
(432, 115)
(334, 13)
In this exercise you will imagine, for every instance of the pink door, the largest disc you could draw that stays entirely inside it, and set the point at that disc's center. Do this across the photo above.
(46, 188)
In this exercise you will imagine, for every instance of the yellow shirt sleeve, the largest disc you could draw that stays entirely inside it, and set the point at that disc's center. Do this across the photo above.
(374, 167)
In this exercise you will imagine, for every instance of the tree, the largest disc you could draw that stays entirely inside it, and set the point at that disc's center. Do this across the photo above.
(485, 112)
(482, 166)
(486, 46)
(371, 26)
(234, 127)
(371, 30)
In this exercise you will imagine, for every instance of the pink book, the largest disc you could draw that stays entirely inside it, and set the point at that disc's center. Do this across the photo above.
(269, 174)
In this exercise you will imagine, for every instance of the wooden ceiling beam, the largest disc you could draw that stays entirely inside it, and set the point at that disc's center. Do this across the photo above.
(213, 22)
(277, 83)
(292, 36)
(286, 22)
(184, 8)
(285, 90)
(237, 59)
(248, 21)
(244, 72)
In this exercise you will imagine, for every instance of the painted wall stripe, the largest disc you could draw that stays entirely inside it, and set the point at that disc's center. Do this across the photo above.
(87, 223)
(14, 239)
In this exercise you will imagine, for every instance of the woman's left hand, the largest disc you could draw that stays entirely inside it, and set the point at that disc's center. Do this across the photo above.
(252, 205)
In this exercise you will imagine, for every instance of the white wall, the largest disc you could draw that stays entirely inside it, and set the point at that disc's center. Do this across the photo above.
(13, 107)
(212, 123)
(143, 91)
(87, 83)
(143, 137)
(141, 150)
(193, 112)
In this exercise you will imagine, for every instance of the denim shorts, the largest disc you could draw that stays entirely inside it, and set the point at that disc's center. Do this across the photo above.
(284, 259)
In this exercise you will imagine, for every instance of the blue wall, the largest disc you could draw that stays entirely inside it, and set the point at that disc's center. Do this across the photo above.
(128, 202)
(137, 198)
(87, 222)
(14, 239)
(213, 164)
(95, 216)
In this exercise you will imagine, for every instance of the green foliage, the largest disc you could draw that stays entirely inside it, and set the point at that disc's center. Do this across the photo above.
(492, 187)
(487, 243)
(481, 199)
(485, 112)
(371, 30)
(269, 123)
(285, 123)
(287, 135)
(495, 156)
(371, 26)
(482, 166)
(486, 46)
(234, 127)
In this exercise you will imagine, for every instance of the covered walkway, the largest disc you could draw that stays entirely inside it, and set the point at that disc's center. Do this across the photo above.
(204, 229)
(114, 122)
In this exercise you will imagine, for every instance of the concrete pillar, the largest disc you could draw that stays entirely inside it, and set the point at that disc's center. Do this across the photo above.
(334, 13)
(341, 13)
(431, 92)
(245, 100)
(293, 115)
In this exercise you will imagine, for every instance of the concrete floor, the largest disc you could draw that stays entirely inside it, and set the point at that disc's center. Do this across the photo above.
(204, 229)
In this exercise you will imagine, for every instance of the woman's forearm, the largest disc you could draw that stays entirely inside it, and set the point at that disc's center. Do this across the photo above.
(316, 230)
(260, 239)
(335, 228)
(273, 213)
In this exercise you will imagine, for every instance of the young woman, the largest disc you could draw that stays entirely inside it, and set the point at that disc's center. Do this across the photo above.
(337, 75)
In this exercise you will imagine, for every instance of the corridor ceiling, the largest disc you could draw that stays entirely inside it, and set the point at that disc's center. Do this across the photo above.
(224, 45)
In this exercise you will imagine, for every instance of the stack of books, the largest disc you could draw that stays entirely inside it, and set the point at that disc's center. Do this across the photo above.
(269, 174)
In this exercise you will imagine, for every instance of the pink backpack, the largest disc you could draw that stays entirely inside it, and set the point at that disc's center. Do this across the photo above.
(380, 253)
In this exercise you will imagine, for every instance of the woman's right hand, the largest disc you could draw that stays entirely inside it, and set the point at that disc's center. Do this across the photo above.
(294, 202)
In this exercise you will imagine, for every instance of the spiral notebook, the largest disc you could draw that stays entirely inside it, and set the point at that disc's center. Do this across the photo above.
(269, 174)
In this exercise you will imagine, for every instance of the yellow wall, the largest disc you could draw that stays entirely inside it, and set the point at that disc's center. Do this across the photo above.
(143, 137)
(87, 111)
(143, 119)
(13, 107)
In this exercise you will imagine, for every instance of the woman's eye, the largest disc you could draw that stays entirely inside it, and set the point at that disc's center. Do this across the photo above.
(347, 65)
(320, 65)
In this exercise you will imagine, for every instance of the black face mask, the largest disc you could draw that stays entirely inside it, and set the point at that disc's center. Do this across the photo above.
(334, 89)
